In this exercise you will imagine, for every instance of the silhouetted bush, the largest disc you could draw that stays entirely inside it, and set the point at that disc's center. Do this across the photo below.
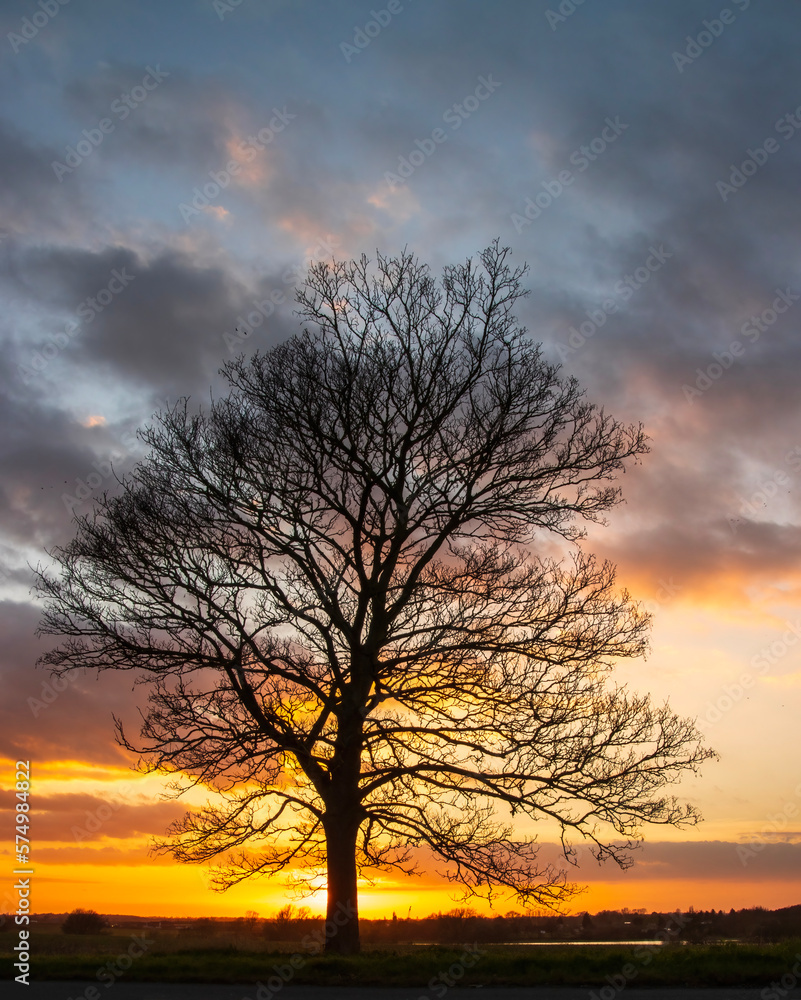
(84, 922)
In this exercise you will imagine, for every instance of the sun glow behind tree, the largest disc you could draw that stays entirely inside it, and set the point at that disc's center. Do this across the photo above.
(328, 583)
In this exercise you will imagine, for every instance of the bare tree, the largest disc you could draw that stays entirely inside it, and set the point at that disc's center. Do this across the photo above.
(328, 580)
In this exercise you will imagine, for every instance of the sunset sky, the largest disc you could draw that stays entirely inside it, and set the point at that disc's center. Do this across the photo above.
(168, 172)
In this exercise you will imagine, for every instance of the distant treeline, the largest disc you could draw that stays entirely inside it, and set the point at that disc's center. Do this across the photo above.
(290, 924)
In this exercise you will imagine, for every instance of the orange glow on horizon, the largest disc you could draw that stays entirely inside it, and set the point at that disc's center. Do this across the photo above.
(182, 891)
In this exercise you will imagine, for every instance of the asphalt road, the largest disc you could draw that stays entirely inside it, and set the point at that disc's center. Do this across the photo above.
(194, 991)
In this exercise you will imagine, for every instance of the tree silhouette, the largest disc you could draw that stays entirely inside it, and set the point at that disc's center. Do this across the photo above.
(84, 922)
(328, 581)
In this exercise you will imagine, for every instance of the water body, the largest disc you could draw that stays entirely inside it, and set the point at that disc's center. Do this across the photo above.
(548, 944)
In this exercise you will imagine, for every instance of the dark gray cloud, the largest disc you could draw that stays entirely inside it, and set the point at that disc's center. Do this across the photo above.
(47, 719)
(32, 204)
(155, 113)
(42, 451)
(754, 860)
(159, 323)
(84, 818)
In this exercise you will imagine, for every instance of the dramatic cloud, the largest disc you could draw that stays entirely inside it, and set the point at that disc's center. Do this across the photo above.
(169, 170)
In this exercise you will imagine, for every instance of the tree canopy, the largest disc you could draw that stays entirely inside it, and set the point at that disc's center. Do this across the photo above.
(330, 580)
(82, 921)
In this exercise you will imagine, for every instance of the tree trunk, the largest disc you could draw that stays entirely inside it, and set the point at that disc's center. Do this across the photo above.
(343, 816)
(342, 914)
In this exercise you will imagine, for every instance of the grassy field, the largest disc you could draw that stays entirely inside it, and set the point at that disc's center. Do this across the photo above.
(167, 957)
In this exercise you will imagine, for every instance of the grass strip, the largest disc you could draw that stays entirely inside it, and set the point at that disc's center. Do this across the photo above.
(591, 966)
